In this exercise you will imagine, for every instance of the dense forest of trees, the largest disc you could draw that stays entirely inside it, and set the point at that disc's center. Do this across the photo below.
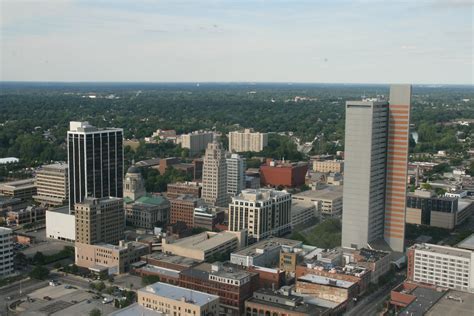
(34, 117)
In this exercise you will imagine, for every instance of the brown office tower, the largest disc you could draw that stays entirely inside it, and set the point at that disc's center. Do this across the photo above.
(100, 220)
(397, 165)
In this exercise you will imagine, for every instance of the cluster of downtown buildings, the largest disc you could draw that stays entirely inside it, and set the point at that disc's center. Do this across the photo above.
(266, 274)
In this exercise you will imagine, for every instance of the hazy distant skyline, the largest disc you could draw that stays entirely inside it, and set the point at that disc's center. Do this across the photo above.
(358, 41)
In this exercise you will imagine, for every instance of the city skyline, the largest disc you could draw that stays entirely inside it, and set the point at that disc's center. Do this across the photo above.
(245, 41)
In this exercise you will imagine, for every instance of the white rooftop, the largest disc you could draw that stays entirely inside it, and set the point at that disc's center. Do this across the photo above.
(467, 243)
(326, 281)
(178, 293)
(136, 309)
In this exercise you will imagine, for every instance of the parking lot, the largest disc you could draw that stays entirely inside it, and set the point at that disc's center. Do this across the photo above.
(46, 246)
(63, 300)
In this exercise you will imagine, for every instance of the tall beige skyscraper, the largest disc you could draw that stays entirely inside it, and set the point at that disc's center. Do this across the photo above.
(247, 140)
(214, 175)
(375, 171)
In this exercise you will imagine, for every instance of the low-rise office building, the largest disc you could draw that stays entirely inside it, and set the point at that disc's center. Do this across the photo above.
(28, 215)
(232, 284)
(183, 188)
(328, 201)
(109, 258)
(327, 288)
(378, 262)
(182, 209)
(443, 266)
(264, 212)
(302, 212)
(22, 189)
(281, 302)
(175, 300)
(328, 166)
(52, 184)
(208, 216)
(265, 253)
(204, 245)
(9, 204)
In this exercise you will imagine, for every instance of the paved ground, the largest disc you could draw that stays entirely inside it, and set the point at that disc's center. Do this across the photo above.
(13, 291)
(48, 247)
(64, 302)
(125, 281)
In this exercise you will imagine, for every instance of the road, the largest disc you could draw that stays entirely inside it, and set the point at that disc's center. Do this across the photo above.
(368, 305)
(13, 291)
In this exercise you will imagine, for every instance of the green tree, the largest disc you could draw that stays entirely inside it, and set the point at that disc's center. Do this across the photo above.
(95, 312)
(39, 258)
(150, 279)
(39, 273)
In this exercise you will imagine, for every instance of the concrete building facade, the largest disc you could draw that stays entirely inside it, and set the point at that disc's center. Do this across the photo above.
(134, 185)
(214, 175)
(113, 259)
(247, 140)
(235, 174)
(6, 244)
(23, 189)
(196, 141)
(95, 159)
(263, 212)
(443, 266)
(376, 157)
(328, 166)
(60, 224)
(52, 184)
(148, 212)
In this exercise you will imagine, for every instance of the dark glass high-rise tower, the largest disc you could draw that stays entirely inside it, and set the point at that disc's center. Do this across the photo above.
(95, 158)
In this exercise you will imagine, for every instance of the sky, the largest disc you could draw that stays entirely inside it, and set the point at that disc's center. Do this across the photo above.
(320, 41)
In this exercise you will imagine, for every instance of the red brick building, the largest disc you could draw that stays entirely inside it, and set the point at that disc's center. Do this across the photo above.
(287, 174)
(189, 188)
(182, 209)
(232, 284)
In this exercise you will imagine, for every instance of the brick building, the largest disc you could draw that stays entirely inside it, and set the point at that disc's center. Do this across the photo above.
(182, 209)
(286, 174)
(174, 190)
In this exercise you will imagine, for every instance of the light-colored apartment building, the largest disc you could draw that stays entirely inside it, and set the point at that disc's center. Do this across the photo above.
(6, 245)
(113, 259)
(100, 220)
(443, 266)
(235, 174)
(264, 212)
(328, 166)
(196, 141)
(247, 140)
(376, 152)
(52, 184)
(214, 175)
(178, 301)
(204, 245)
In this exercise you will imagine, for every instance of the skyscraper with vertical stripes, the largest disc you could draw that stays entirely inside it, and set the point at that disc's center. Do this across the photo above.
(376, 157)
(95, 158)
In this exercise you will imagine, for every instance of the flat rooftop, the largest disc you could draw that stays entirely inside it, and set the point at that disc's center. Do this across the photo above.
(160, 270)
(295, 304)
(467, 243)
(136, 309)
(453, 303)
(204, 241)
(203, 271)
(178, 293)
(317, 279)
(55, 166)
(445, 250)
(327, 193)
(18, 184)
(425, 299)
(265, 245)
(258, 195)
(173, 259)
